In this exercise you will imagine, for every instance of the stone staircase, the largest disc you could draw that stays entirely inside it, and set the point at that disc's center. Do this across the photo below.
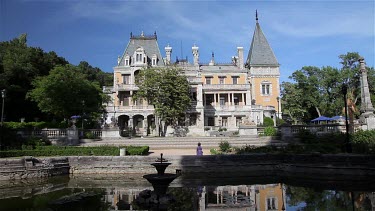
(184, 142)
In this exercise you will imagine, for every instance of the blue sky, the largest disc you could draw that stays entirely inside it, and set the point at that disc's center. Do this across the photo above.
(301, 33)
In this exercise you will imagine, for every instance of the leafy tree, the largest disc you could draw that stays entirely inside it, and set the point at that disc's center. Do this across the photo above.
(95, 74)
(318, 91)
(19, 65)
(167, 90)
(66, 92)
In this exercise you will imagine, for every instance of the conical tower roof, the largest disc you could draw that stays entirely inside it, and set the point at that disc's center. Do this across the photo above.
(260, 53)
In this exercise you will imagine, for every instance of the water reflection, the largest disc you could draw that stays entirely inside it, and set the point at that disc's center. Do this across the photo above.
(124, 193)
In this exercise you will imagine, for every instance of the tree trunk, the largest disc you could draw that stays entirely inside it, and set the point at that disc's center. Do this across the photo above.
(318, 111)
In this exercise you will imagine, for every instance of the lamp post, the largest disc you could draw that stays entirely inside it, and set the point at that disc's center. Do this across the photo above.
(114, 114)
(3, 92)
(348, 145)
(278, 110)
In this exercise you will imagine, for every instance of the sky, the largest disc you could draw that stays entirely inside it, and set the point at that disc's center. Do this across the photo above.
(301, 33)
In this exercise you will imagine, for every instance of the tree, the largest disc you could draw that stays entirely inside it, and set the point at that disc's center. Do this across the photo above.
(167, 90)
(19, 65)
(318, 91)
(66, 92)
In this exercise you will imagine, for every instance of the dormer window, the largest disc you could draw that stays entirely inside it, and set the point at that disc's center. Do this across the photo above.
(127, 60)
(139, 56)
(154, 59)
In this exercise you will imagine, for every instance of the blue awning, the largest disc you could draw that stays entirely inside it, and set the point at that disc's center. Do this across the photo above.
(321, 118)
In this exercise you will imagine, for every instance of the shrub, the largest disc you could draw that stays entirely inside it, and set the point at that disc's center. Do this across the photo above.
(224, 146)
(268, 122)
(206, 129)
(75, 151)
(363, 141)
(89, 135)
(270, 131)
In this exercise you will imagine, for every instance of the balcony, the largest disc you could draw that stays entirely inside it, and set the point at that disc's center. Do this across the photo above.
(123, 87)
(226, 87)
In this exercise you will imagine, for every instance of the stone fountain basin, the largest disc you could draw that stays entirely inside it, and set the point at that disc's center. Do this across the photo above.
(160, 167)
(159, 182)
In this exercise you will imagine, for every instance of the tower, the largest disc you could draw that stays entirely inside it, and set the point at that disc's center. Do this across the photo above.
(264, 73)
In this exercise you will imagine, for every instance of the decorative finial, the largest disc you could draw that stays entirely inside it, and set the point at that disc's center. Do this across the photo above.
(131, 34)
(256, 15)
(156, 37)
(213, 55)
(142, 34)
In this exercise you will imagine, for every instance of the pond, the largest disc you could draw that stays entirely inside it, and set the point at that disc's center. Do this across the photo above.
(132, 192)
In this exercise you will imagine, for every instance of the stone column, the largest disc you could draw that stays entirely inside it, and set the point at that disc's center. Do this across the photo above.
(229, 101)
(214, 100)
(367, 117)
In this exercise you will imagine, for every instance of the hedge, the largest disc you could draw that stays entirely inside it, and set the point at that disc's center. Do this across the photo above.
(46, 151)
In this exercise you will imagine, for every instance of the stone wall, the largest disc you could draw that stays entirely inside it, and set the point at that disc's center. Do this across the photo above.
(251, 165)
(29, 167)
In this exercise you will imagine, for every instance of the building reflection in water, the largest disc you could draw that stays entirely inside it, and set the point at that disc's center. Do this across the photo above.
(242, 197)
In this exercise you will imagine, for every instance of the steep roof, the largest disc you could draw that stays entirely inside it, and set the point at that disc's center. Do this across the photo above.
(148, 43)
(260, 53)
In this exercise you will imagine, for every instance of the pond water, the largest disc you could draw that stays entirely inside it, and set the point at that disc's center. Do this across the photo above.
(132, 192)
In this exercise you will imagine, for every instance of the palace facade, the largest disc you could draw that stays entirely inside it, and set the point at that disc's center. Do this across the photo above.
(240, 92)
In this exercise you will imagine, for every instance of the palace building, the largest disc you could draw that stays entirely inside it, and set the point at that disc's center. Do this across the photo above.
(223, 95)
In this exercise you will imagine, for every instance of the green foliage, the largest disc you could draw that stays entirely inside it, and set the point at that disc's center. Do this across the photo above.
(20, 65)
(270, 131)
(66, 92)
(225, 146)
(75, 151)
(323, 86)
(206, 129)
(363, 141)
(214, 151)
(268, 122)
(167, 90)
(89, 135)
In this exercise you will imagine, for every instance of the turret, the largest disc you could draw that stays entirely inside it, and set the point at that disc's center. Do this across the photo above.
(168, 53)
(195, 51)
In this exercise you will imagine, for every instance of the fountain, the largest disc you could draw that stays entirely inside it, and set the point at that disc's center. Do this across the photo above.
(157, 199)
(161, 180)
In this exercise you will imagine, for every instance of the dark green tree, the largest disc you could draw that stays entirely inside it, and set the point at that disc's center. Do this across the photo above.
(19, 65)
(318, 91)
(167, 90)
(66, 92)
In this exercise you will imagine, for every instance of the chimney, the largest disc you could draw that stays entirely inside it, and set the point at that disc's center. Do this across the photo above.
(240, 62)
(195, 51)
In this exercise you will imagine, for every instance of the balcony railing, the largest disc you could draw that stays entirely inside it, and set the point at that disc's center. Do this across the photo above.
(121, 87)
(226, 86)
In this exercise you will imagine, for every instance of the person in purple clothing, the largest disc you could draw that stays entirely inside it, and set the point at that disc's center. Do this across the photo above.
(199, 149)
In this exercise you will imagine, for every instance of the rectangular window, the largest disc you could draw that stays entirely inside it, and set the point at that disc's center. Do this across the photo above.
(235, 79)
(222, 101)
(153, 62)
(139, 57)
(238, 121)
(126, 79)
(265, 89)
(224, 122)
(271, 204)
(126, 62)
(221, 80)
(208, 80)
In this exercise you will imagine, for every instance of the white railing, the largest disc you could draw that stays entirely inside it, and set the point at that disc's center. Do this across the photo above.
(226, 86)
